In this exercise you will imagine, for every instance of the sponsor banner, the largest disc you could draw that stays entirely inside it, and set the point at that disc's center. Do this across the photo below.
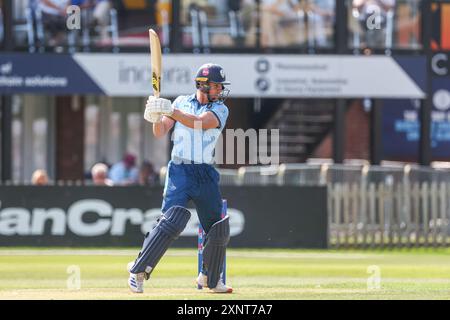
(401, 124)
(275, 76)
(401, 118)
(440, 64)
(416, 69)
(120, 216)
(254, 75)
(401, 128)
(43, 73)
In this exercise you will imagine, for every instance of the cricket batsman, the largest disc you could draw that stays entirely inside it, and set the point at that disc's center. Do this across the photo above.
(198, 121)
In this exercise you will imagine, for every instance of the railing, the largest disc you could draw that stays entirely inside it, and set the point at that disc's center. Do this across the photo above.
(389, 215)
(369, 206)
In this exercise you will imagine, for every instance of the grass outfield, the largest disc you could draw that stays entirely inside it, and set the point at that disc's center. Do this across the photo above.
(27, 273)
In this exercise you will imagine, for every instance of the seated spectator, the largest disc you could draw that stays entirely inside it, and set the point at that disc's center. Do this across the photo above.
(280, 23)
(147, 174)
(98, 14)
(54, 19)
(99, 174)
(249, 18)
(101, 17)
(408, 25)
(321, 21)
(125, 172)
(39, 178)
(372, 17)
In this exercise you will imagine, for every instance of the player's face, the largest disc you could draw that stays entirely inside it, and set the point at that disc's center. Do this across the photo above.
(214, 90)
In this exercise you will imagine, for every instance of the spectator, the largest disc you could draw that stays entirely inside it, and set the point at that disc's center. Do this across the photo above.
(39, 178)
(81, 3)
(99, 174)
(236, 7)
(280, 23)
(408, 25)
(98, 14)
(249, 17)
(147, 174)
(321, 22)
(125, 172)
(54, 19)
(373, 19)
(101, 17)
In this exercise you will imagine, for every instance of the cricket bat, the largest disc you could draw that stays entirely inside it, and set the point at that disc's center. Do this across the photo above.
(155, 59)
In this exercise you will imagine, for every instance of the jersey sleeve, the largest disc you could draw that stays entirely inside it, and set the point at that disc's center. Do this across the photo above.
(176, 102)
(221, 112)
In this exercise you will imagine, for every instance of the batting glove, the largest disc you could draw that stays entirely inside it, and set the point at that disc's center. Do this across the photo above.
(152, 117)
(159, 105)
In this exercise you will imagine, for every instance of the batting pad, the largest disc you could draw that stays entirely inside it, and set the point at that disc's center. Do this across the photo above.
(214, 250)
(156, 242)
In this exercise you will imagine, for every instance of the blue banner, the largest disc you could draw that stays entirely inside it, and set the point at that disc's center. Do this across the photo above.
(401, 125)
(415, 67)
(44, 73)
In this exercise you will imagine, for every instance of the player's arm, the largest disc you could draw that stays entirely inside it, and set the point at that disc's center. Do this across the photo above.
(161, 128)
(156, 112)
(160, 107)
(207, 120)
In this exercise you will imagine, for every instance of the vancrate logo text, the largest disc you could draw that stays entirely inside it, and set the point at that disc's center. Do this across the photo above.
(93, 217)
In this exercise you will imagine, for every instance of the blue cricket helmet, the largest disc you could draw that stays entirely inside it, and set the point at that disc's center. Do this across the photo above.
(211, 72)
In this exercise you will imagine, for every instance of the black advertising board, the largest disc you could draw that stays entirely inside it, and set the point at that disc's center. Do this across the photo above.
(260, 216)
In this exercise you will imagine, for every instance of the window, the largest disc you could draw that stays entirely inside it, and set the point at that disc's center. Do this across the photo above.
(441, 26)
(218, 23)
(32, 132)
(297, 23)
(384, 24)
(115, 126)
(36, 25)
(92, 126)
(407, 25)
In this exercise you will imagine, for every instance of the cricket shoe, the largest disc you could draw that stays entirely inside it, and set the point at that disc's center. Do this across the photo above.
(202, 280)
(136, 280)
